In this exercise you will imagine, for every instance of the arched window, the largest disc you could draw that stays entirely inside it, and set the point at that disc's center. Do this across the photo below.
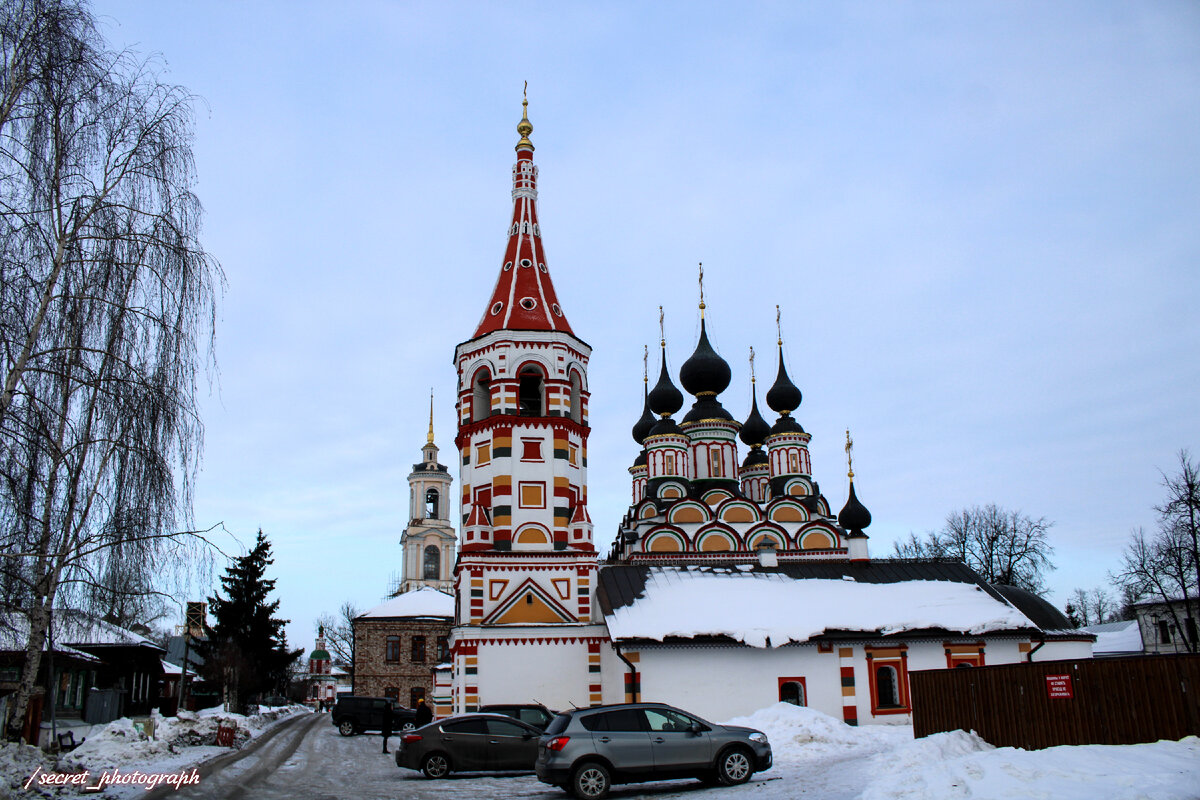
(433, 558)
(431, 504)
(792, 692)
(888, 687)
(481, 396)
(576, 402)
(529, 395)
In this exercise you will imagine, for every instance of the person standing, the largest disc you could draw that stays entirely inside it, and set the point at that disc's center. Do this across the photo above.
(424, 715)
(387, 723)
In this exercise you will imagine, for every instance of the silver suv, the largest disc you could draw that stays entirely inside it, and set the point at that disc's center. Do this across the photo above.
(586, 750)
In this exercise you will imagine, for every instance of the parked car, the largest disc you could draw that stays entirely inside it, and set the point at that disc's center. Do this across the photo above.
(534, 714)
(469, 743)
(586, 750)
(353, 715)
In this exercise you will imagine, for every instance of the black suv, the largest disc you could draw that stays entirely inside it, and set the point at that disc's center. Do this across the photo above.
(587, 750)
(353, 715)
(534, 714)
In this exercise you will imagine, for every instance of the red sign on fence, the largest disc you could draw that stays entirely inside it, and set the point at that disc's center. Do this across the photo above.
(1059, 687)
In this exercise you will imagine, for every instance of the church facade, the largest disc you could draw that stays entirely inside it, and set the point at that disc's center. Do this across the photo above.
(720, 567)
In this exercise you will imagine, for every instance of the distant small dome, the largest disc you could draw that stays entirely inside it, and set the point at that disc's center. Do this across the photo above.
(783, 397)
(319, 655)
(664, 398)
(854, 515)
(704, 371)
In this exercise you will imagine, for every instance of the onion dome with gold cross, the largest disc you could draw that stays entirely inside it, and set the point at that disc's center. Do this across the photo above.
(783, 398)
(754, 432)
(664, 399)
(854, 516)
(705, 375)
(524, 298)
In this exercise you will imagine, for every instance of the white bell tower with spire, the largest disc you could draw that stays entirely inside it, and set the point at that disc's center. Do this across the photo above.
(428, 540)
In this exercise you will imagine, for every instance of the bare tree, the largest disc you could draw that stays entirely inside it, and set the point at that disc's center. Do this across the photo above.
(1165, 566)
(339, 633)
(1004, 547)
(1092, 607)
(107, 304)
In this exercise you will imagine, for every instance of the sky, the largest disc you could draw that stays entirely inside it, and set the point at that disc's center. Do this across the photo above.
(981, 222)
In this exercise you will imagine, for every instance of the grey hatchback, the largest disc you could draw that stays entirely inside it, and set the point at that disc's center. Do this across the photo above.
(586, 750)
(469, 743)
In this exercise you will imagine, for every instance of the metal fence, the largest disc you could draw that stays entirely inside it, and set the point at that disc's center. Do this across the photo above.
(1044, 704)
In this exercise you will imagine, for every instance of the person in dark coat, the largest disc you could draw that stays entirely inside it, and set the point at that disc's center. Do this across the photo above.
(387, 724)
(424, 715)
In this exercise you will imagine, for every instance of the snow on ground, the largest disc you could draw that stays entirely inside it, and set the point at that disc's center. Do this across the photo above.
(960, 764)
(816, 756)
(178, 743)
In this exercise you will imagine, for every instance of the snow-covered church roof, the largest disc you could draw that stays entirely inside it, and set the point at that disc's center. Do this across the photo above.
(797, 602)
(423, 602)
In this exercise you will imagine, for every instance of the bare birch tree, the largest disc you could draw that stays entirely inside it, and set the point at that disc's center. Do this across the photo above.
(108, 305)
(1004, 547)
(1165, 565)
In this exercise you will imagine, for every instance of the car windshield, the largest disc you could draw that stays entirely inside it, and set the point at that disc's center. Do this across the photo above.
(558, 725)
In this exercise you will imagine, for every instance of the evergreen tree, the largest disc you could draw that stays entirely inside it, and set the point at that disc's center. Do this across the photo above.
(246, 651)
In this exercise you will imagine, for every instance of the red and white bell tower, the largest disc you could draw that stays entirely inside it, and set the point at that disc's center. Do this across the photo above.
(527, 566)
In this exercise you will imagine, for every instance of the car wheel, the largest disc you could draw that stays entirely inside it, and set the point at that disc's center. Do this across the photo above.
(408, 726)
(591, 781)
(346, 728)
(435, 765)
(734, 767)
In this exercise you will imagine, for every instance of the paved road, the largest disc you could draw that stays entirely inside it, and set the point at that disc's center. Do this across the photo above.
(304, 758)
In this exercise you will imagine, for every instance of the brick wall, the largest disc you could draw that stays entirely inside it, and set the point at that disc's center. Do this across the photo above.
(374, 674)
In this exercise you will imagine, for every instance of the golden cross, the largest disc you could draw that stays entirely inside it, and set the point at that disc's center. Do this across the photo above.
(645, 363)
(849, 457)
(701, 289)
(778, 328)
(661, 330)
(751, 363)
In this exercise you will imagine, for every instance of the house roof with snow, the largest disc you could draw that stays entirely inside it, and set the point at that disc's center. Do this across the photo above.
(771, 606)
(73, 630)
(423, 602)
(1117, 638)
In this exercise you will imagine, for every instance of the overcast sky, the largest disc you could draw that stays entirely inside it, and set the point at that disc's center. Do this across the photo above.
(981, 221)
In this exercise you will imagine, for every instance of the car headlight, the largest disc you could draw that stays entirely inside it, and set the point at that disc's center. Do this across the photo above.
(758, 737)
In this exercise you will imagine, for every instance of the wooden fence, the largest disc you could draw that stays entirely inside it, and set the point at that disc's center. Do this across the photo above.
(1044, 704)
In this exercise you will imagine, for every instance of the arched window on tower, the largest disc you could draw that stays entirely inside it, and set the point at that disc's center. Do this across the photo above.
(576, 401)
(431, 504)
(530, 392)
(481, 396)
(433, 556)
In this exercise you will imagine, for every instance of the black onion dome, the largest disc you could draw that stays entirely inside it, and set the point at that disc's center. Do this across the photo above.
(755, 430)
(640, 461)
(641, 428)
(704, 371)
(665, 425)
(854, 516)
(756, 456)
(783, 397)
(664, 398)
(786, 424)
(707, 407)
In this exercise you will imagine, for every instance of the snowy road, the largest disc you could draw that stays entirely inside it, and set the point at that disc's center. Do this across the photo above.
(306, 759)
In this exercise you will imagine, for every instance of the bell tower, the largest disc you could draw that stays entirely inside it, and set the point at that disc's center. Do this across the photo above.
(526, 566)
(428, 539)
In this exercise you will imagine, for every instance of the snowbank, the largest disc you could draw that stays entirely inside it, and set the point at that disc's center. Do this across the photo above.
(801, 733)
(960, 764)
(17, 763)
